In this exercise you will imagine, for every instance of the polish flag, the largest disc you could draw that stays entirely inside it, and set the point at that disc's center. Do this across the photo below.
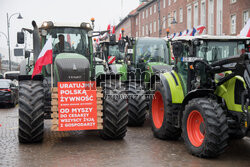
(109, 28)
(113, 30)
(245, 32)
(45, 57)
(200, 29)
(120, 36)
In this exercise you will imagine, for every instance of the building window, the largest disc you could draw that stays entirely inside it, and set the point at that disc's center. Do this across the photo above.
(175, 15)
(189, 15)
(233, 1)
(136, 21)
(174, 1)
(155, 8)
(196, 14)
(164, 22)
(169, 20)
(169, 2)
(164, 3)
(211, 17)
(154, 26)
(146, 13)
(151, 28)
(181, 15)
(150, 10)
(219, 20)
(143, 31)
(245, 17)
(233, 24)
(146, 30)
(203, 13)
(143, 14)
(136, 34)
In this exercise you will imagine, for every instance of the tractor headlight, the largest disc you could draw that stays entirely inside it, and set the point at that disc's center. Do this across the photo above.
(104, 62)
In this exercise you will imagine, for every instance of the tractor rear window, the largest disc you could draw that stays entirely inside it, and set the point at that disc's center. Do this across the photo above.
(213, 51)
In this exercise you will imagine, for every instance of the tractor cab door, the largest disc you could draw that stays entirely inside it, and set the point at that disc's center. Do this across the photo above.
(182, 62)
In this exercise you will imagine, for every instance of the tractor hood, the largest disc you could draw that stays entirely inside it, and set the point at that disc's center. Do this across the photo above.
(71, 67)
(160, 67)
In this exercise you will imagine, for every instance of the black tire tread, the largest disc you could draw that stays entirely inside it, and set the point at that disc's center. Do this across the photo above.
(216, 128)
(115, 116)
(31, 115)
(137, 104)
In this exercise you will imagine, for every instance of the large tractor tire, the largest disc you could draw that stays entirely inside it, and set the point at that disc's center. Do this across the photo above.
(31, 115)
(161, 114)
(204, 128)
(137, 104)
(115, 115)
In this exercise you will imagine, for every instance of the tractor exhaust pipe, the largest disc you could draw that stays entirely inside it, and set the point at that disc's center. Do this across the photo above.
(36, 41)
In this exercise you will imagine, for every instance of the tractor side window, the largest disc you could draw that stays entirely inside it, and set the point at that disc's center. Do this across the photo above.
(214, 51)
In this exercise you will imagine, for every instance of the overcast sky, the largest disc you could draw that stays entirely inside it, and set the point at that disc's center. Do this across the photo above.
(72, 11)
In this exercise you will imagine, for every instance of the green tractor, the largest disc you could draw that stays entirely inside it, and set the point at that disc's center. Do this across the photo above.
(108, 50)
(145, 59)
(73, 61)
(206, 95)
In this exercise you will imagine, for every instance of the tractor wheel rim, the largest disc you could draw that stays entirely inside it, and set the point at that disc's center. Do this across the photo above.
(196, 128)
(158, 110)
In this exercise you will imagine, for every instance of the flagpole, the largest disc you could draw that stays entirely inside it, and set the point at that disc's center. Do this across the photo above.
(52, 75)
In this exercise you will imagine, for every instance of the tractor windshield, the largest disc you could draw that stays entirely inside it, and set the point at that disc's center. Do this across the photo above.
(72, 40)
(114, 51)
(216, 50)
(151, 50)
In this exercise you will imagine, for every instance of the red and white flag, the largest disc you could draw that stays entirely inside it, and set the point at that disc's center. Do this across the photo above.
(45, 57)
(245, 32)
(113, 30)
(200, 29)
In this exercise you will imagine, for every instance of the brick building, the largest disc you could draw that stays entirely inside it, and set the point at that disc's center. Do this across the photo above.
(221, 17)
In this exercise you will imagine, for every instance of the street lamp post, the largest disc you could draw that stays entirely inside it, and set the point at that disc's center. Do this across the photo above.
(8, 30)
(161, 25)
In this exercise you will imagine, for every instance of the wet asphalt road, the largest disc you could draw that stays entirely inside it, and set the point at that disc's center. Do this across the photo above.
(86, 148)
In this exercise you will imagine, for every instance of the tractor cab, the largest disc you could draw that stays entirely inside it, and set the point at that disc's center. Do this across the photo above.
(187, 49)
(146, 57)
(72, 50)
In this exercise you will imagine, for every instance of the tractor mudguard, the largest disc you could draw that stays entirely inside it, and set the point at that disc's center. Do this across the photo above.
(196, 94)
(28, 77)
(172, 86)
(230, 91)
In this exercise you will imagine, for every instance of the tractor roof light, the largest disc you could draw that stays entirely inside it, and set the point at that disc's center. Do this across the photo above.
(92, 19)
(47, 24)
(123, 29)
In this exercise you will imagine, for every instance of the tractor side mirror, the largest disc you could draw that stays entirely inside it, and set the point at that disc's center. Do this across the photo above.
(177, 49)
(20, 37)
(18, 52)
(27, 54)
